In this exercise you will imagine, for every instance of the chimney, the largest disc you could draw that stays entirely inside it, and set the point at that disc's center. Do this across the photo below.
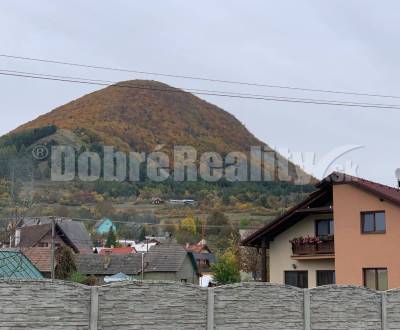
(106, 261)
(17, 236)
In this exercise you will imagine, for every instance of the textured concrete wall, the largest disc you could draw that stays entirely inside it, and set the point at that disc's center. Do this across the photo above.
(44, 305)
(152, 305)
(258, 306)
(345, 307)
(57, 305)
(393, 309)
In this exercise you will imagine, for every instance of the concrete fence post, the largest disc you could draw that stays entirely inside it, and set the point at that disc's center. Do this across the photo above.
(94, 307)
(210, 309)
(383, 311)
(307, 313)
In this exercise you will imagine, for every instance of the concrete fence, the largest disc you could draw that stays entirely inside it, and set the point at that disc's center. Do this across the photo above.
(60, 305)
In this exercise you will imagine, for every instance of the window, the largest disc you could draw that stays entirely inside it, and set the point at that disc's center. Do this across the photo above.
(324, 227)
(183, 280)
(376, 278)
(297, 278)
(325, 277)
(43, 244)
(373, 222)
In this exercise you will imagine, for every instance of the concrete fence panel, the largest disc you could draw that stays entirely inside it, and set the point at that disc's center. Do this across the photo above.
(258, 306)
(345, 307)
(57, 305)
(393, 309)
(152, 305)
(44, 305)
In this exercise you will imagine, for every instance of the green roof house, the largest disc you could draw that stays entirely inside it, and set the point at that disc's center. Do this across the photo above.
(104, 225)
(14, 264)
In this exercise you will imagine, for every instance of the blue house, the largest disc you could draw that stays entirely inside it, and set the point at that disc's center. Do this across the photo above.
(103, 226)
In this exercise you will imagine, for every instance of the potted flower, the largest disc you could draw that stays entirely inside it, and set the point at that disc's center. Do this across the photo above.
(305, 245)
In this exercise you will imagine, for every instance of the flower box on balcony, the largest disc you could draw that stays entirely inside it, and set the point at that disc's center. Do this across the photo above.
(312, 245)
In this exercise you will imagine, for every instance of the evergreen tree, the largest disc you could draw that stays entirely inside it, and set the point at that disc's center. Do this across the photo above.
(65, 263)
(142, 234)
(111, 238)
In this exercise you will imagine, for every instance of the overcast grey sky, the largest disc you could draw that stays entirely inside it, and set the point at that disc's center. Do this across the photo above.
(339, 45)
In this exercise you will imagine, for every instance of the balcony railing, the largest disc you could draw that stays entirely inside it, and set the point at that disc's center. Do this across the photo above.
(316, 247)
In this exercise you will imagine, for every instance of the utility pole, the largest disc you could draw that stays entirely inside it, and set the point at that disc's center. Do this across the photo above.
(52, 247)
(142, 266)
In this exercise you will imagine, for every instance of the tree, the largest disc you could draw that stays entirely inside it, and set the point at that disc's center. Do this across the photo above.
(62, 211)
(219, 229)
(189, 224)
(142, 233)
(226, 270)
(217, 223)
(65, 263)
(111, 238)
(105, 209)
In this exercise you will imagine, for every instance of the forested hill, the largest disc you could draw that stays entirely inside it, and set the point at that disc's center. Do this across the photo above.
(143, 114)
(136, 115)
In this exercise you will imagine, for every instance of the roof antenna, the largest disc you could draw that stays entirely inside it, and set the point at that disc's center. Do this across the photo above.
(397, 174)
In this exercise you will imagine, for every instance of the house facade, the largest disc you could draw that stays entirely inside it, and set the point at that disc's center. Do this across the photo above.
(203, 256)
(346, 232)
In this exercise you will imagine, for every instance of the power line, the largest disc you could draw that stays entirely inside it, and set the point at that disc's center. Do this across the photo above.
(192, 90)
(61, 219)
(224, 81)
(199, 92)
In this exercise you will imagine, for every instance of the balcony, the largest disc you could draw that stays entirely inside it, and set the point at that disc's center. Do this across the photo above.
(313, 248)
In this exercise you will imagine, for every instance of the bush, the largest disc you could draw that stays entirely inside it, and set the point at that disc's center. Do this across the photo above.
(226, 270)
(78, 278)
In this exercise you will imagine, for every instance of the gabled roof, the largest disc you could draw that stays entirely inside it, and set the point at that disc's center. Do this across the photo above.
(101, 221)
(73, 232)
(31, 235)
(40, 257)
(198, 248)
(286, 220)
(14, 264)
(166, 257)
(77, 234)
(96, 264)
(382, 191)
(315, 202)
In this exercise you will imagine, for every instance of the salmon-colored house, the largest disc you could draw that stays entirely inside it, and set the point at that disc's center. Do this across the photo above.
(346, 232)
